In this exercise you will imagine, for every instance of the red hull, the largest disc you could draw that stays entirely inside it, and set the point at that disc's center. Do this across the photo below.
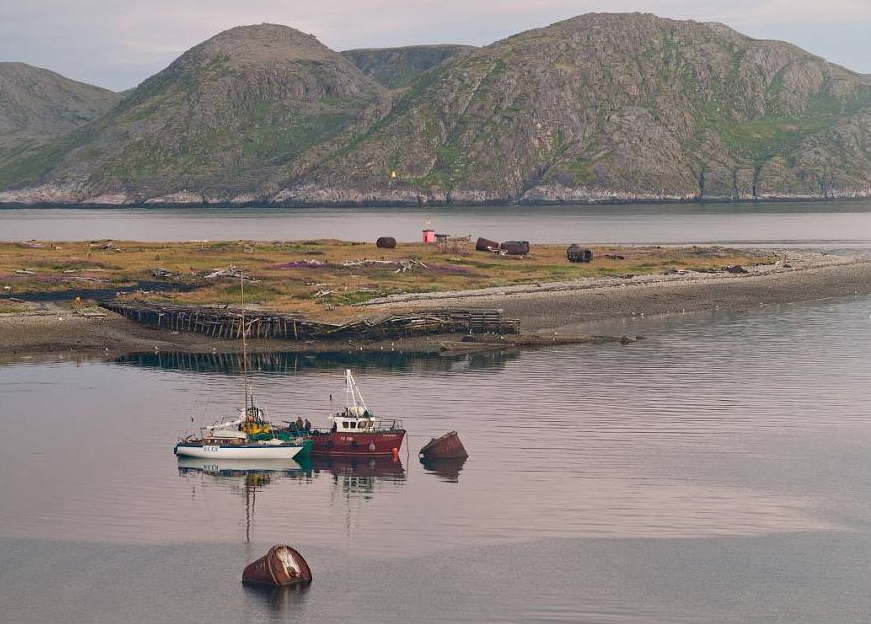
(348, 444)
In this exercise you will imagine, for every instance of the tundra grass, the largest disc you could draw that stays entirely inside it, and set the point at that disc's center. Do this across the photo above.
(323, 278)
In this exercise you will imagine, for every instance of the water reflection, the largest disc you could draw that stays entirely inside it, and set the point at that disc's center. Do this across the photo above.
(282, 601)
(358, 475)
(352, 478)
(288, 362)
(239, 475)
(448, 470)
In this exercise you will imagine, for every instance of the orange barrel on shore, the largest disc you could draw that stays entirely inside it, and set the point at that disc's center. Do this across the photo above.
(282, 565)
(446, 447)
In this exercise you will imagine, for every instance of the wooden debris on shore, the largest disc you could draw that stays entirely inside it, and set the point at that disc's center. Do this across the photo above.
(227, 323)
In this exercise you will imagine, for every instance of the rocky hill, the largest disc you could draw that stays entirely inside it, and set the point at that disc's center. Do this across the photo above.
(398, 67)
(218, 122)
(38, 102)
(602, 107)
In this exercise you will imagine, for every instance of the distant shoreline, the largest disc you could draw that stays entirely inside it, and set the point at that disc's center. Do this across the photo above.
(654, 201)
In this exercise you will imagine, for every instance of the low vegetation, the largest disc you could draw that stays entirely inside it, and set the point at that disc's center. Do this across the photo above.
(321, 279)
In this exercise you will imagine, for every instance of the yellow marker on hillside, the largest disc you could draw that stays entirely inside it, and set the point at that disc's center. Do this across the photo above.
(393, 174)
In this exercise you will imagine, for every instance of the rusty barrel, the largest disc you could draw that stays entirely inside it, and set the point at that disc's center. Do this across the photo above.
(282, 565)
(446, 447)
(515, 248)
(484, 244)
(576, 253)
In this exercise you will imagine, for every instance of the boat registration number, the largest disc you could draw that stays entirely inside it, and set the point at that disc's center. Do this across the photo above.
(211, 449)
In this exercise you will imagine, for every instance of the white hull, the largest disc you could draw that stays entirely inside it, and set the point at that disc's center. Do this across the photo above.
(238, 452)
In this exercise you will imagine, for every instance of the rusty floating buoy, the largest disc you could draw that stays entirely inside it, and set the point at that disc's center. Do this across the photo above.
(446, 447)
(282, 565)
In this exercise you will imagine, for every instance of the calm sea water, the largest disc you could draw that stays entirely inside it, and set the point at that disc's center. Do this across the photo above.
(833, 225)
(716, 472)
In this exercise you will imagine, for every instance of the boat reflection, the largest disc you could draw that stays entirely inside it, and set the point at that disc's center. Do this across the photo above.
(357, 475)
(234, 469)
(247, 477)
(448, 470)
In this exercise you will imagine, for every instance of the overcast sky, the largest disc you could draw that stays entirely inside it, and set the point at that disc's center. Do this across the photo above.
(118, 43)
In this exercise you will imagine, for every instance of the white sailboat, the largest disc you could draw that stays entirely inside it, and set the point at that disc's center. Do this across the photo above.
(250, 436)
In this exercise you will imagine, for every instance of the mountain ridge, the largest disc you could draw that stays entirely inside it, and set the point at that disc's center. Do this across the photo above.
(597, 108)
(40, 102)
(399, 67)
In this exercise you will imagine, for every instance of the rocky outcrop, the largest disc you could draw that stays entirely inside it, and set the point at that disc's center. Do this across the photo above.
(599, 108)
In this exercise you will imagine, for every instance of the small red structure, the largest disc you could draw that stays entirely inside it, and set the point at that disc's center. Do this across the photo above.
(282, 565)
(429, 236)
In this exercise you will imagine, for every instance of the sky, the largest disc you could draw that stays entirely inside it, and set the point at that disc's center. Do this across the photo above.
(118, 43)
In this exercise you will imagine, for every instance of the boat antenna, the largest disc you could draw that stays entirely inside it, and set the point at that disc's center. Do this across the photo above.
(244, 344)
(353, 392)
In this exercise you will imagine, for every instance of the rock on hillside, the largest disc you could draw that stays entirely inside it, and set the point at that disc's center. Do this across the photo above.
(398, 67)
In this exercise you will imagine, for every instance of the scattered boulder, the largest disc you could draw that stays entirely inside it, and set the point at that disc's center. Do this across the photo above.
(735, 268)
(386, 242)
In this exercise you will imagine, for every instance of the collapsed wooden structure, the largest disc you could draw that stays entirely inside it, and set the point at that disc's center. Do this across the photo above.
(227, 322)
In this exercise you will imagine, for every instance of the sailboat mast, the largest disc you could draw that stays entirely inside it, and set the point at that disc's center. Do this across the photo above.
(244, 345)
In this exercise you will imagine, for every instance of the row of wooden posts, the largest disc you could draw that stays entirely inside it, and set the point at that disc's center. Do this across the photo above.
(227, 323)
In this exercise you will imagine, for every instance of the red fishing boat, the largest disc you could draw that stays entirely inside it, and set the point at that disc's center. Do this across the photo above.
(356, 431)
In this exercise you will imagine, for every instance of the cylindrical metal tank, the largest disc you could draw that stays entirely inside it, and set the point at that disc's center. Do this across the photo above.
(576, 253)
(515, 248)
(445, 447)
(486, 245)
(282, 565)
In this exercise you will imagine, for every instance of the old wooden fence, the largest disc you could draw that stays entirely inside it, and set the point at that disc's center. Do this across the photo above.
(227, 322)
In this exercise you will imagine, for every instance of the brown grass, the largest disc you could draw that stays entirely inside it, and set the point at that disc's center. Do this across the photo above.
(285, 282)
